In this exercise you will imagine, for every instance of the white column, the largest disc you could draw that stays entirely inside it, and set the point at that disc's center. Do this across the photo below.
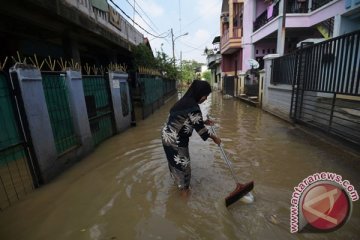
(281, 31)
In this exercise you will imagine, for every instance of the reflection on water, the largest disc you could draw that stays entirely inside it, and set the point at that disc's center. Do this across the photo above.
(124, 191)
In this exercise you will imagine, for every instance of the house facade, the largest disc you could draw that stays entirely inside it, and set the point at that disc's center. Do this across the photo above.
(214, 64)
(231, 43)
(63, 87)
(86, 31)
(318, 84)
(252, 29)
(306, 21)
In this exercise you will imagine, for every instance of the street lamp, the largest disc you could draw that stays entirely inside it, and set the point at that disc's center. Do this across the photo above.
(173, 42)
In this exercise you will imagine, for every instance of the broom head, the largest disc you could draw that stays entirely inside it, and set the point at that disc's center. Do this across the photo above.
(240, 191)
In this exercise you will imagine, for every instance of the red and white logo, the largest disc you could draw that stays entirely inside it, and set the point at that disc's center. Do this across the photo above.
(321, 202)
(325, 206)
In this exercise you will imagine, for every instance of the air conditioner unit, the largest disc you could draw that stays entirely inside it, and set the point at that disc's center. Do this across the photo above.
(225, 19)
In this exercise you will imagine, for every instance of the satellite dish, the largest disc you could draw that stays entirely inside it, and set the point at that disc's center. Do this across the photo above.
(253, 64)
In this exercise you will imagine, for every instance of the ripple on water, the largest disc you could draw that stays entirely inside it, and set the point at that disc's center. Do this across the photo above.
(261, 148)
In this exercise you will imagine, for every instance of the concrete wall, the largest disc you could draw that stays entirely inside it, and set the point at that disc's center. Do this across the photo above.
(79, 112)
(122, 122)
(276, 99)
(28, 80)
(127, 31)
(228, 62)
(249, 17)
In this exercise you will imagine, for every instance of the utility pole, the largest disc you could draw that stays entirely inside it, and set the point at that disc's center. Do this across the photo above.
(173, 42)
(180, 66)
(173, 47)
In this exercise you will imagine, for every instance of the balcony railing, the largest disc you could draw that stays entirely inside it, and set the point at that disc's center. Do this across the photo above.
(319, 3)
(270, 13)
(237, 32)
(225, 37)
(213, 58)
(293, 6)
(296, 6)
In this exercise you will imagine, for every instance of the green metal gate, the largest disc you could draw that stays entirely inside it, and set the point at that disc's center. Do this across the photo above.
(57, 101)
(99, 107)
(17, 171)
(152, 95)
(125, 104)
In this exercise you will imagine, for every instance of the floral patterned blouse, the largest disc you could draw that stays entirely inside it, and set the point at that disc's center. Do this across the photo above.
(176, 133)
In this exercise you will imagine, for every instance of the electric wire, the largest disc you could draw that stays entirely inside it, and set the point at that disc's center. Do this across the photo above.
(198, 18)
(180, 15)
(200, 47)
(146, 15)
(153, 35)
(142, 17)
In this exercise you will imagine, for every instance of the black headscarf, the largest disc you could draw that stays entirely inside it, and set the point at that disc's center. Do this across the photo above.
(196, 91)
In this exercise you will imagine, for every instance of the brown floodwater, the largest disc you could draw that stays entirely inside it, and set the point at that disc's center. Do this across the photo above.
(123, 190)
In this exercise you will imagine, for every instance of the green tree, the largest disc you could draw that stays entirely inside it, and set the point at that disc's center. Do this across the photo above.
(206, 75)
(188, 70)
(166, 66)
(143, 57)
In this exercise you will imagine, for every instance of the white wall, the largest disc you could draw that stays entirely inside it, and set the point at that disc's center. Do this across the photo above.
(276, 98)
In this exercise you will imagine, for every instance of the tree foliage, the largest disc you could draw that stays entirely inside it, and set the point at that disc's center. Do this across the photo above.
(143, 57)
(166, 65)
(206, 75)
(188, 70)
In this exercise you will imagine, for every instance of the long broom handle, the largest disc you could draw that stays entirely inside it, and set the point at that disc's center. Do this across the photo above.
(225, 157)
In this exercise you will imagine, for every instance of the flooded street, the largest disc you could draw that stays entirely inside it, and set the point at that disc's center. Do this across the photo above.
(123, 190)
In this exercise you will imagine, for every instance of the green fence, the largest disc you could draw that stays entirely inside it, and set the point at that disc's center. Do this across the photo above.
(125, 104)
(152, 89)
(9, 134)
(15, 175)
(169, 86)
(153, 92)
(99, 107)
(56, 94)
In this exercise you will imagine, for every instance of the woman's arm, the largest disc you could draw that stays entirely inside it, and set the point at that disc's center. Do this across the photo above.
(199, 125)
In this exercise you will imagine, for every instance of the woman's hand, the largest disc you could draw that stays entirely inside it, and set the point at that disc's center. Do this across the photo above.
(209, 122)
(216, 139)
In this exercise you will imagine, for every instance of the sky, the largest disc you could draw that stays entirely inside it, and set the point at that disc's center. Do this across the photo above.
(199, 18)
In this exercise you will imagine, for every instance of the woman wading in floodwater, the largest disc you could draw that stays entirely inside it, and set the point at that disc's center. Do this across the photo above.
(185, 116)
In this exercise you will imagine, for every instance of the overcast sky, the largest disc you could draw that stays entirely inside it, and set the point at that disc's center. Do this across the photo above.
(200, 18)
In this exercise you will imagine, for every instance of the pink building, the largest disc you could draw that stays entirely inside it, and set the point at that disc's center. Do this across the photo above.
(231, 33)
(251, 29)
(308, 21)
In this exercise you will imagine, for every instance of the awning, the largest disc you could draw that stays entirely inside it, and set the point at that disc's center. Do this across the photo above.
(216, 40)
